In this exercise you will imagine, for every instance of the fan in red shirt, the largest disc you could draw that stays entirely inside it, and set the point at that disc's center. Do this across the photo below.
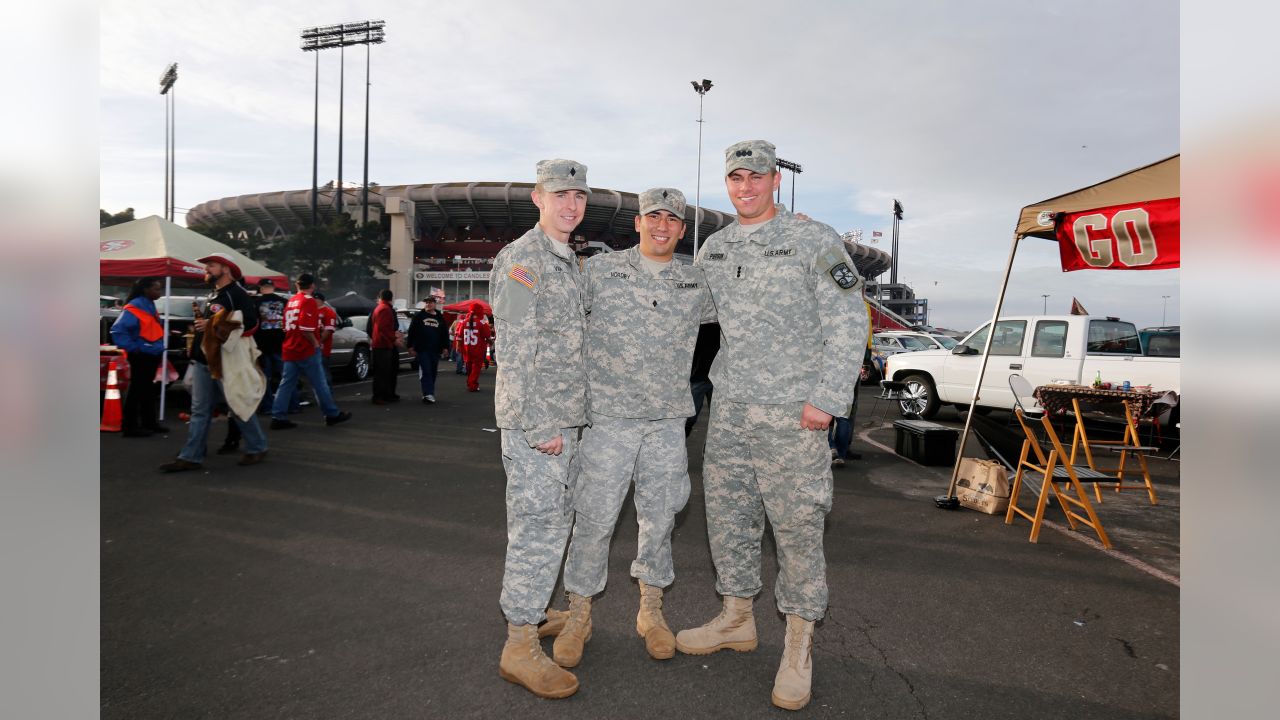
(299, 352)
(328, 318)
(386, 356)
(474, 335)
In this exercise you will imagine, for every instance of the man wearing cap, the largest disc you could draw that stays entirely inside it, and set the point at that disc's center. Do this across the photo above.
(426, 340)
(643, 312)
(539, 403)
(223, 273)
(785, 368)
(303, 353)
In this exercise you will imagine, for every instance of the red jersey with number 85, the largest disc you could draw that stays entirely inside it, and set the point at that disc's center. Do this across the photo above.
(301, 318)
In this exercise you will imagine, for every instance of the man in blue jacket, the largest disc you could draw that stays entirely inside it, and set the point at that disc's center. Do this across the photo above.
(140, 333)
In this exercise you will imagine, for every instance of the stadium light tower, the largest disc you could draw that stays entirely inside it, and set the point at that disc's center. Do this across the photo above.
(897, 216)
(795, 170)
(368, 32)
(167, 80)
(701, 88)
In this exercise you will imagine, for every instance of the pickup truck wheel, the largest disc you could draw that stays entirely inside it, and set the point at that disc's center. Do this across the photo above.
(919, 396)
(360, 363)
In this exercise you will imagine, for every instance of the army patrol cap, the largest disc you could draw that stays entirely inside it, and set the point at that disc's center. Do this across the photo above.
(758, 156)
(558, 175)
(668, 199)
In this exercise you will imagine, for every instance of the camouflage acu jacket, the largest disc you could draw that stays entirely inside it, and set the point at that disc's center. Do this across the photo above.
(641, 330)
(793, 325)
(537, 306)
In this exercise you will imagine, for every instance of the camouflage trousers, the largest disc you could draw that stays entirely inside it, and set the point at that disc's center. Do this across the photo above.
(539, 516)
(760, 463)
(614, 452)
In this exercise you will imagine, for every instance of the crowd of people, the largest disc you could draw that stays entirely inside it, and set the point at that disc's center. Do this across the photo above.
(288, 340)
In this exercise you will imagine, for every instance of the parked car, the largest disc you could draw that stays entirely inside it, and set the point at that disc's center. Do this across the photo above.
(1043, 349)
(1161, 341)
(892, 342)
(351, 354)
(403, 318)
(910, 341)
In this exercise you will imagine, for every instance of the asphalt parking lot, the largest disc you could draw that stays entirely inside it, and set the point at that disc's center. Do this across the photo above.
(356, 573)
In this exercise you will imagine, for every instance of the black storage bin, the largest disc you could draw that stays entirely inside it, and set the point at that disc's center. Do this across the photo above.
(927, 443)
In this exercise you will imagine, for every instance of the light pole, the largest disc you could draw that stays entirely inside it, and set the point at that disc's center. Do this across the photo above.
(167, 80)
(368, 32)
(701, 88)
(893, 267)
(795, 169)
(1164, 310)
(1046, 305)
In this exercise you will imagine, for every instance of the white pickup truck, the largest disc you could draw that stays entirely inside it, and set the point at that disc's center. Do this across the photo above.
(1041, 348)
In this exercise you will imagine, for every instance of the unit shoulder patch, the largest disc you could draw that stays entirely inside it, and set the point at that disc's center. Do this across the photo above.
(844, 276)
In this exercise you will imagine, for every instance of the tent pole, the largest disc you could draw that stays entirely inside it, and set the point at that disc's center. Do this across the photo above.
(949, 501)
(164, 356)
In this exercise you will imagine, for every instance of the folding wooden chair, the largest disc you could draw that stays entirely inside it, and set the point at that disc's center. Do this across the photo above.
(1127, 446)
(1053, 469)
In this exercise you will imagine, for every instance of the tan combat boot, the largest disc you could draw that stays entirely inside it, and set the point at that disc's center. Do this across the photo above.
(567, 649)
(795, 672)
(651, 626)
(554, 623)
(524, 663)
(733, 629)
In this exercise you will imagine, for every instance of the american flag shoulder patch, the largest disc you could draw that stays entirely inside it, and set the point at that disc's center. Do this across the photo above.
(522, 275)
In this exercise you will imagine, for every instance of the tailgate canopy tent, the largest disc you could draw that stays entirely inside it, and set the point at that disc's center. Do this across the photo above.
(352, 303)
(155, 246)
(1130, 222)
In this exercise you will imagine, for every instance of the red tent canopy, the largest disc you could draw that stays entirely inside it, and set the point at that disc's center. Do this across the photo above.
(155, 246)
(468, 305)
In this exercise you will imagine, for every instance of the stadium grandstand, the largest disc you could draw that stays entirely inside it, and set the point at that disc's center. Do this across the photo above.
(458, 227)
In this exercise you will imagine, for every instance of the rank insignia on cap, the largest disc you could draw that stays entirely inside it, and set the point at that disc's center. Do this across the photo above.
(573, 171)
(843, 276)
(664, 194)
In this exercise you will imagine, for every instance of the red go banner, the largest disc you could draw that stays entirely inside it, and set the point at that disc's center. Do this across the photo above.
(1136, 236)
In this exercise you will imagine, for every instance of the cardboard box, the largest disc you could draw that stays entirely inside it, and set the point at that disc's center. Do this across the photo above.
(983, 485)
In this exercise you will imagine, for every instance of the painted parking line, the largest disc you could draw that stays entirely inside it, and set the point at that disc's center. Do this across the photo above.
(1129, 560)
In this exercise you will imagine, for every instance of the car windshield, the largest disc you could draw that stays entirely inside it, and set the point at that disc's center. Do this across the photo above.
(912, 342)
(944, 341)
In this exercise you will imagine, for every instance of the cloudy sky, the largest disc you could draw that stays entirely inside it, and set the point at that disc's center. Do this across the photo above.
(963, 111)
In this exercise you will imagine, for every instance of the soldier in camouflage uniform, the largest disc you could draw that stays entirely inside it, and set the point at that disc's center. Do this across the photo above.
(785, 368)
(540, 404)
(643, 311)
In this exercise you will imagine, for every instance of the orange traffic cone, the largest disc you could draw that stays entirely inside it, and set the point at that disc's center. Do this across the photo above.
(112, 410)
